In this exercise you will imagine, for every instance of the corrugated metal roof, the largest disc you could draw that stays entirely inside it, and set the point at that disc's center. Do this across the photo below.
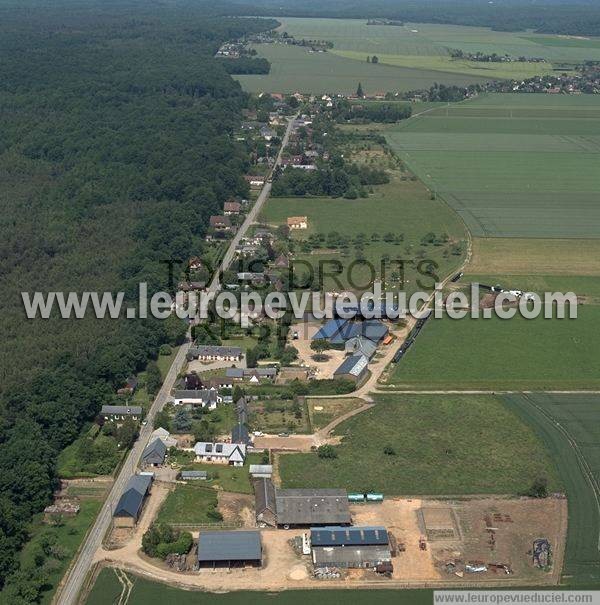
(130, 502)
(312, 506)
(349, 536)
(333, 326)
(353, 365)
(352, 556)
(229, 546)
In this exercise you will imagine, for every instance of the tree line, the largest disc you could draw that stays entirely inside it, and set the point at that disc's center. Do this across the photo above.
(116, 149)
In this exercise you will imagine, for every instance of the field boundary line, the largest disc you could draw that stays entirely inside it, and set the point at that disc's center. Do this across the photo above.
(581, 460)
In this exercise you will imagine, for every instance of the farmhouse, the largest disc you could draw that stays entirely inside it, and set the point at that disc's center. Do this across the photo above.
(350, 547)
(255, 181)
(353, 368)
(121, 412)
(231, 207)
(129, 387)
(233, 454)
(215, 353)
(205, 398)
(220, 223)
(297, 222)
(265, 505)
(311, 507)
(251, 374)
(129, 507)
(154, 454)
(229, 549)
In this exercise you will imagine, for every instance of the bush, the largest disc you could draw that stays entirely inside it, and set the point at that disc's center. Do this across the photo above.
(165, 350)
(326, 452)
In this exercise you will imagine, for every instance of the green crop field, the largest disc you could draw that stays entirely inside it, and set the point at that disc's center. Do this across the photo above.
(401, 207)
(294, 68)
(442, 444)
(510, 354)
(107, 590)
(544, 256)
(426, 39)
(569, 426)
(511, 165)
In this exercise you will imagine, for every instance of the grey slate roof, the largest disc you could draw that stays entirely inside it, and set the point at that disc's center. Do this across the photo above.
(131, 500)
(312, 506)
(155, 452)
(215, 350)
(194, 475)
(229, 546)
(264, 495)
(239, 434)
(124, 410)
(362, 345)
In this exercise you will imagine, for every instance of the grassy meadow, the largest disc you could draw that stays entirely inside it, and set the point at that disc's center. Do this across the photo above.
(511, 165)
(107, 590)
(401, 207)
(569, 426)
(434, 40)
(294, 68)
(497, 354)
(442, 444)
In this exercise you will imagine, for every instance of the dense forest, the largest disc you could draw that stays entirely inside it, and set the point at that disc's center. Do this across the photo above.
(580, 17)
(115, 149)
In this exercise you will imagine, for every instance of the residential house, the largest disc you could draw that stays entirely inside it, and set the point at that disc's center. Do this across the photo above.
(231, 207)
(233, 454)
(220, 223)
(251, 374)
(255, 181)
(155, 453)
(215, 353)
(129, 387)
(297, 222)
(118, 413)
(205, 398)
(267, 133)
(195, 263)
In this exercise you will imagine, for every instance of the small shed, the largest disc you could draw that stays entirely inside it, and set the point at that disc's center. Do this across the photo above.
(260, 471)
(194, 475)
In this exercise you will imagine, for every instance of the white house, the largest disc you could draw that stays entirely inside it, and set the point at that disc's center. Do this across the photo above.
(233, 454)
(208, 398)
(215, 353)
